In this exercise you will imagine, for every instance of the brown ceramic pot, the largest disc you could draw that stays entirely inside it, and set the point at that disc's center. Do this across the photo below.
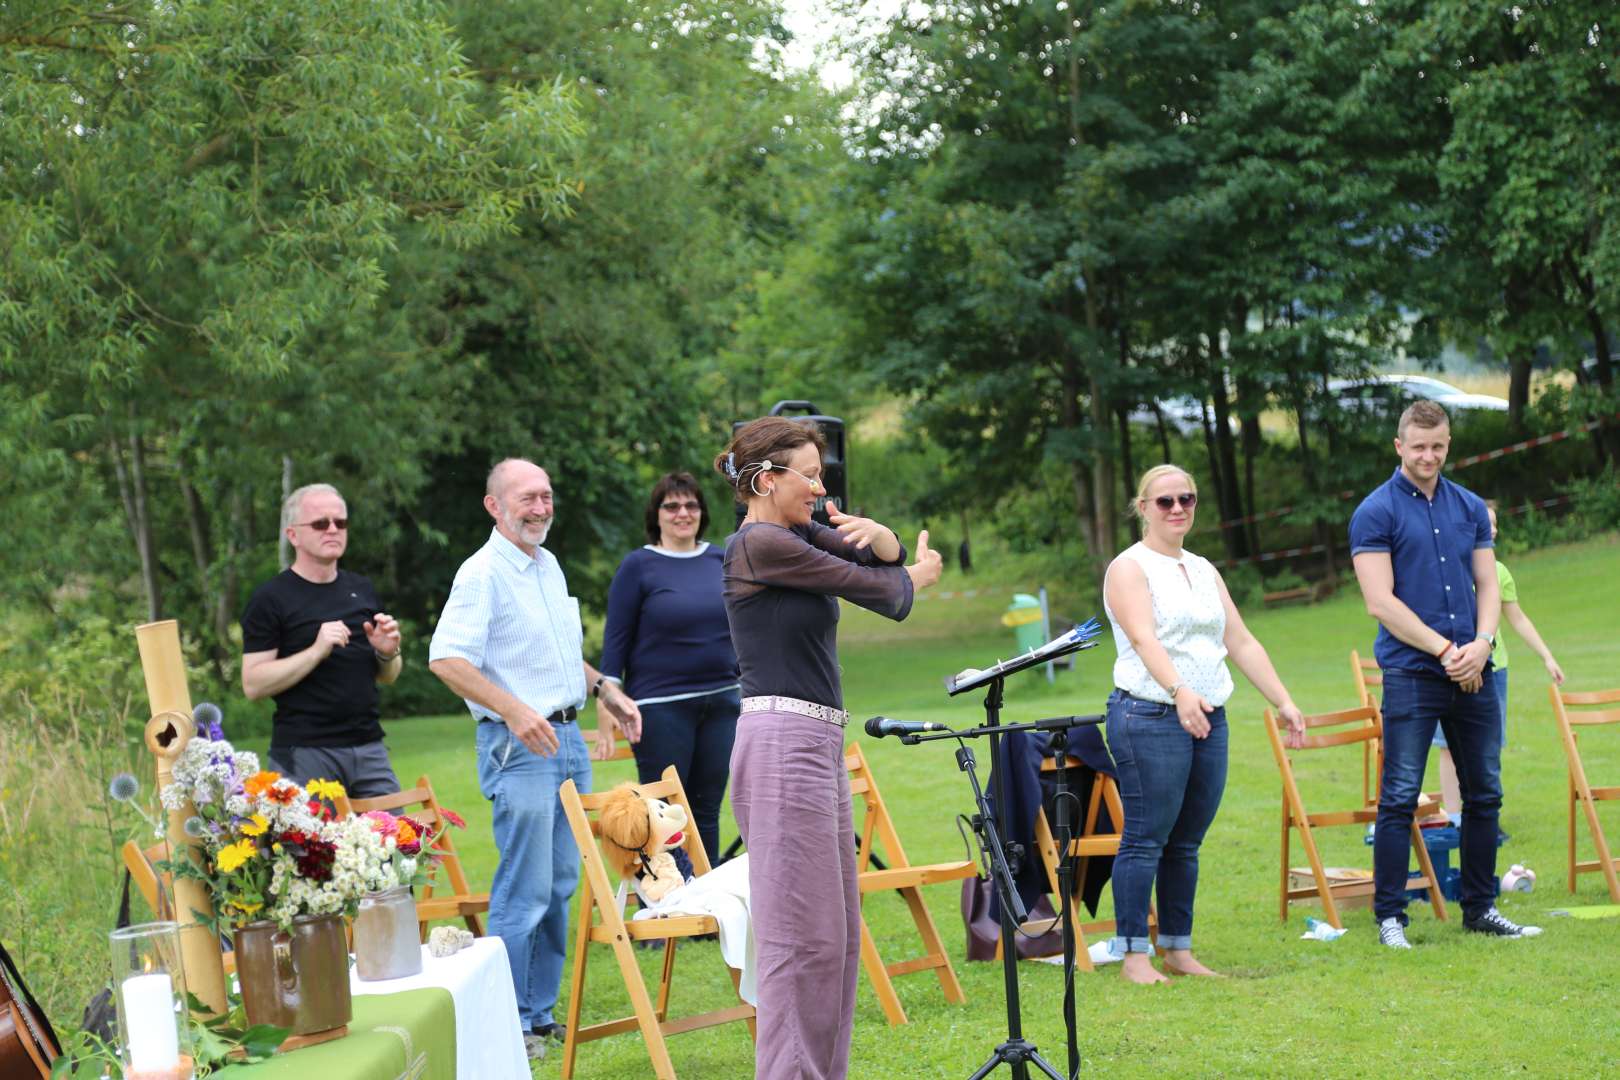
(297, 979)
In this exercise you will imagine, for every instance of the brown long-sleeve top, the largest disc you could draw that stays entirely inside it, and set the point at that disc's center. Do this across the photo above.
(780, 589)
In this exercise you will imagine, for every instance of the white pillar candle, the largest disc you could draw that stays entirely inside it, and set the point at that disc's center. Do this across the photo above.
(152, 1036)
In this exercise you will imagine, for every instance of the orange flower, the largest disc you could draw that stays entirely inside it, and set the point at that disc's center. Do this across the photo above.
(260, 782)
(284, 795)
(406, 833)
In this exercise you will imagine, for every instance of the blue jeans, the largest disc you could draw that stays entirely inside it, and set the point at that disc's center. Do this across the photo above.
(695, 735)
(1170, 784)
(1500, 677)
(1413, 705)
(539, 862)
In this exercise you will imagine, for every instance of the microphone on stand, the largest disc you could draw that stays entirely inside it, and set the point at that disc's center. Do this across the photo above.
(880, 726)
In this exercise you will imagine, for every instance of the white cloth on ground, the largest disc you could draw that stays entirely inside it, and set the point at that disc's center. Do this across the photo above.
(722, 893)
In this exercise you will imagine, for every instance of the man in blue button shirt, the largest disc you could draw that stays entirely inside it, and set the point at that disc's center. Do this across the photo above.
(509, 642)
(1422, 551)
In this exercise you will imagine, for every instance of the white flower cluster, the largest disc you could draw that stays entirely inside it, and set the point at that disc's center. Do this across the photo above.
(364, 862)
(209, 771)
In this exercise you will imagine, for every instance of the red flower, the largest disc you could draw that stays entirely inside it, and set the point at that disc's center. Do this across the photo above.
(282, 794)
(453, 818)
(321, 810)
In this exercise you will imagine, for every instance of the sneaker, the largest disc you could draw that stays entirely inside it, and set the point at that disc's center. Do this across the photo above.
(1393, 934)
(535, 1046)
(554, 1032)
(1493, 922)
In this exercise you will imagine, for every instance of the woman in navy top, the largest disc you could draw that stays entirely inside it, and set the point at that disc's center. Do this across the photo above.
(667, 641)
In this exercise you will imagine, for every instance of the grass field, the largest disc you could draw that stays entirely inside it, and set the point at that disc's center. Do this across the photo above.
(1455, 1005)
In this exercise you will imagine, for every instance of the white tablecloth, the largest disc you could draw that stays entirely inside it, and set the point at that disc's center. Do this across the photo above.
(489, 1037)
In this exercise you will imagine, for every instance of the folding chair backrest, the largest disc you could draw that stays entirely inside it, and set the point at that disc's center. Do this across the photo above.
(876, 825)
(668, 788)
(1367, 675)
(419, 802)
(142, 866)
(621, 745)
(1363, 725)
(1574, 709)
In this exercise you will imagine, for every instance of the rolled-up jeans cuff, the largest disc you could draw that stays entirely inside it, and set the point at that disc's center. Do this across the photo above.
(1122, 945)
(1174, 941)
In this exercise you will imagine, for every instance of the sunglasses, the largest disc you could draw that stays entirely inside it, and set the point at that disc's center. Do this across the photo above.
(322, 524)
(1187, 499)
(691, 506)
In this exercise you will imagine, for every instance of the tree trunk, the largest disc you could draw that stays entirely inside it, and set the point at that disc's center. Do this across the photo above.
(1079, 476)
(1106, 513)
(1608, 433)
(1132, 524)
(202, 548)
(1519, 389)
(132, 491)
(1233, 537)
(284, 546)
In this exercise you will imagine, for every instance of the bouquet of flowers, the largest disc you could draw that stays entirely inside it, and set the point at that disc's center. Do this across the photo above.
(410, 839)
(272, 849)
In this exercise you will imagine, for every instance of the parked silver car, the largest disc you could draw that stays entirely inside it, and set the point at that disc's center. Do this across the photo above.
(1389, 394)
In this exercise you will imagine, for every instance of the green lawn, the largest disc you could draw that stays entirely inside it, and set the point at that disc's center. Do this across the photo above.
(1455, 1005)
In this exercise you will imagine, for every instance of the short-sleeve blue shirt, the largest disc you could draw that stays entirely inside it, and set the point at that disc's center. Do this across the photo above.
(1431, 545)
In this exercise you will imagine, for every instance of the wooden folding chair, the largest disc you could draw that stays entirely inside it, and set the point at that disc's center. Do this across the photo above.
(1360, 725)
(904, 878)
(601, 922)
(1087, 842)
(460, 902)
(142, 866)
(1367, 675)
(621, 745)
(1580, 789)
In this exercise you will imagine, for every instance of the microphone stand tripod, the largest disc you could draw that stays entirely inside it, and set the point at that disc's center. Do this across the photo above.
(1017, 1052)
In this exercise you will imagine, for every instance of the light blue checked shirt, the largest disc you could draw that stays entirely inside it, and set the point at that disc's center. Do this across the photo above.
(511, 617)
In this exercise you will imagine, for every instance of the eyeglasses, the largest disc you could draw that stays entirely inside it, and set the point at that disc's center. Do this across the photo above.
(1187, 499)
(322, 524)
(691, 506)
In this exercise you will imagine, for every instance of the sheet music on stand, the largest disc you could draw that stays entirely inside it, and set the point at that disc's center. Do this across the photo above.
(1083, 636)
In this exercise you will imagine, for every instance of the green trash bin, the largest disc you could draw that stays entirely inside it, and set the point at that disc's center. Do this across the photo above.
(1024, 616)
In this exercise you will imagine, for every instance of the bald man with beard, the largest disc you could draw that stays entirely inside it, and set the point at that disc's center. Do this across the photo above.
(510, 643)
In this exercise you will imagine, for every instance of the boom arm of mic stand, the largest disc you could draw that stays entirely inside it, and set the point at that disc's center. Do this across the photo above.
(1057, 723)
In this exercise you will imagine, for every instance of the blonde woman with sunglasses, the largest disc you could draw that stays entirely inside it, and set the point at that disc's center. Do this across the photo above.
(1174, 627)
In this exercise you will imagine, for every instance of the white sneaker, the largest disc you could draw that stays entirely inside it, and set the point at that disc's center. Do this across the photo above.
(535, 1046)
(1393, 934)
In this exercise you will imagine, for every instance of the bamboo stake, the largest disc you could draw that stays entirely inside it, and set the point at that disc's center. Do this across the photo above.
(167, 734)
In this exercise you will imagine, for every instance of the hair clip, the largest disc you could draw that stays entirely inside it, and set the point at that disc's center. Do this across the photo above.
(731, 466)
(765, 466)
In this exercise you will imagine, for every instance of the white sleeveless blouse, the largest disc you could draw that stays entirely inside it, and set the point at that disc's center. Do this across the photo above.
(1189, 621)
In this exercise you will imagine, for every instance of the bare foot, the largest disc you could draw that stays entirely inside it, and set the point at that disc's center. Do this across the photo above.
(1182, 962)
(1135, 968)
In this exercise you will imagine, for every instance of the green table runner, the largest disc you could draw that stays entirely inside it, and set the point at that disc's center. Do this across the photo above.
(405, 1036)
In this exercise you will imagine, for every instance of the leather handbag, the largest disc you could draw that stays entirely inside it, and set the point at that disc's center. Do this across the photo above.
(27, 1043)
(984, 925)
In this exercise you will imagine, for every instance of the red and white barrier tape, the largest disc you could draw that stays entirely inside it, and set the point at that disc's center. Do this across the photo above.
(1461, 463)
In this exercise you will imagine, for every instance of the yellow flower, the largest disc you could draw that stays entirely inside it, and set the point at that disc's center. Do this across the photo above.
(325, 789)
(246, 909)
(257, 826)
(232, 857)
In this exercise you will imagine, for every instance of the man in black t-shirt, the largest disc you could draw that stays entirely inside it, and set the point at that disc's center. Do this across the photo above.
(314, 639)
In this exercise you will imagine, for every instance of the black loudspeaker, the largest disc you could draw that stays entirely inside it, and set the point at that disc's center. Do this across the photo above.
(834, 463)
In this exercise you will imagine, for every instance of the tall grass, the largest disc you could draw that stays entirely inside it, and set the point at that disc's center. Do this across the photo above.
(59, 840)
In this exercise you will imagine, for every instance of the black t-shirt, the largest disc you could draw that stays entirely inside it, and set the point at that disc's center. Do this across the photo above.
(336, 703)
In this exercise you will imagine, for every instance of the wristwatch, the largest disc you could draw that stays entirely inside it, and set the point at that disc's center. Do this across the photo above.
(1174, 690)
(1490, 639)
(596, 688)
